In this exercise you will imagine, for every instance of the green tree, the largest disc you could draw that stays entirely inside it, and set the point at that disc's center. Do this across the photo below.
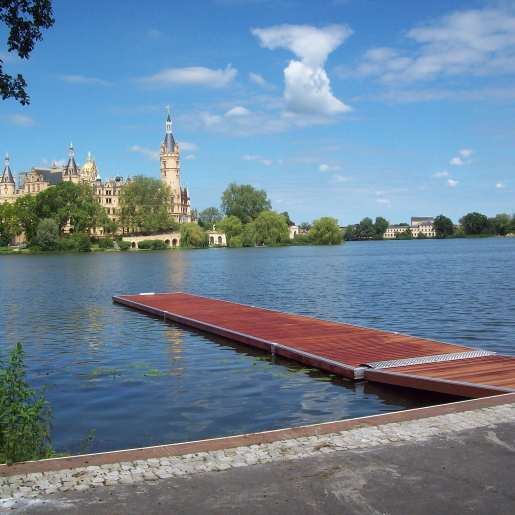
(500, 224)
(366, 229)
(326, 231)
(474, 223)
(287, 218)
(350, 233)
(68, 203)
(244, 201)
(24, 20)
(209, 217)
(231, 226)
(145, 204)
(443, 227)
(270, 228)
(304, 226)
(24, 416)
(6, 223)
(380, 225)
(193, 236)
(25, 219)
(47, 234)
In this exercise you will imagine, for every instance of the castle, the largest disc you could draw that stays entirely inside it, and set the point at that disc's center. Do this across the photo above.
(107, 193)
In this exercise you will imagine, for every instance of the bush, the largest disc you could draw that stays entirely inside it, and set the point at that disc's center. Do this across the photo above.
(152, 245)
(145, 244)
(24, 416)
(83, 242)
(106, 243)
(124, 245)
(301, 239)
(421, 236)
(22, 246)
(66, 244)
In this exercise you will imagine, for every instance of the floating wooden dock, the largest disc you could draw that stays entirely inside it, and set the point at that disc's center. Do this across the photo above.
(353, 352)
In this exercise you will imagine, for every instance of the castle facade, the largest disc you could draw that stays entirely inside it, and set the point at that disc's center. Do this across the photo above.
(107, 193)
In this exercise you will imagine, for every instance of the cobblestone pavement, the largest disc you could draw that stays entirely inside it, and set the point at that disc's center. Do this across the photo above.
(85, 478)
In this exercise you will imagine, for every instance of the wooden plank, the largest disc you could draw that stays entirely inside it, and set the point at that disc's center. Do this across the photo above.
(335, 347)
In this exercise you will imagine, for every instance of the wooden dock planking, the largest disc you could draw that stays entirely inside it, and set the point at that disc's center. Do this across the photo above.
(336, 347)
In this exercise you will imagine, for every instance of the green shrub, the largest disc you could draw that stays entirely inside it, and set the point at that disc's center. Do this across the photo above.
(152, 245)
(66, 244)
(301, 239)
(158, 245)
(24, 416)
(106, 243)
(83, 242)
(124, 245)
(145, 244)
(421, 236)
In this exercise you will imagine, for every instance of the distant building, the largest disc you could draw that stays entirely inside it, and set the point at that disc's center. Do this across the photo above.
(419, 224)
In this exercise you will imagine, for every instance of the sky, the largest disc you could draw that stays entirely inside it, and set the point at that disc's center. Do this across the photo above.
(341, 108)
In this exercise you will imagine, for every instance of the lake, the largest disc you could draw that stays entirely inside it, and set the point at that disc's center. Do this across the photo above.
(139, 381)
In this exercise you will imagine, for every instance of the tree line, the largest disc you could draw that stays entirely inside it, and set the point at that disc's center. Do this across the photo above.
(471, 224)
(246, 218)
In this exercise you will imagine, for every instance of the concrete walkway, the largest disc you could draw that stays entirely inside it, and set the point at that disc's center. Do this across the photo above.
(459, 461)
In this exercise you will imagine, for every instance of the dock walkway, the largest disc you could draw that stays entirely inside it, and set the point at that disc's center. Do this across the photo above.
(350, 351)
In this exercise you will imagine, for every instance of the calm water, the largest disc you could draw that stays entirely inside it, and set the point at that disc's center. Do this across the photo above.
(139, 381)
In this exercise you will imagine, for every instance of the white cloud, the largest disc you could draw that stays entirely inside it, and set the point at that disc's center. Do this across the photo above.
(470, 42)
(237, 111)
(156, 34)
(194, 75)
(210, 120)
(379, 192)
(255, 157)
(500, 186)
(465, 153)
(81, 79)
(307, 87)
(452, 182)
(339, 178)
(149, 154)
(191, 157)
(382, 201)
(441, 174)
(187, 146)
(255, 77)
(327, 168)
(22, 120)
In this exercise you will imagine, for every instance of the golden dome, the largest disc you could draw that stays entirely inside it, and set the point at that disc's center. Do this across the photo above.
(89, 167)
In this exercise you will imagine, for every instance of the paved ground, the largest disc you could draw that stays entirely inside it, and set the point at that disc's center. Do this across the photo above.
(436, 471)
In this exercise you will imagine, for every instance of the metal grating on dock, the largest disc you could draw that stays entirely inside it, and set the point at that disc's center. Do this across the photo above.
(350, 351)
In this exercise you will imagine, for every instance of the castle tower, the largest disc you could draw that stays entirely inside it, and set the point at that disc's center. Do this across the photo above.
(170, 159)
(71, 171)
(7, 185)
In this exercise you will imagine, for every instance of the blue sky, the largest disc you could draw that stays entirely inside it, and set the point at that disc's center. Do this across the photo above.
(343, 108)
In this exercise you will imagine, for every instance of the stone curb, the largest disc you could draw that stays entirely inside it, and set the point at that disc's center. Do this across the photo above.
(359, 437)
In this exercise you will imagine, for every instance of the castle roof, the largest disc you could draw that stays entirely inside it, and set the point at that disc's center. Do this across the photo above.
(7, 177)
(169, 140)
(71, 167)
